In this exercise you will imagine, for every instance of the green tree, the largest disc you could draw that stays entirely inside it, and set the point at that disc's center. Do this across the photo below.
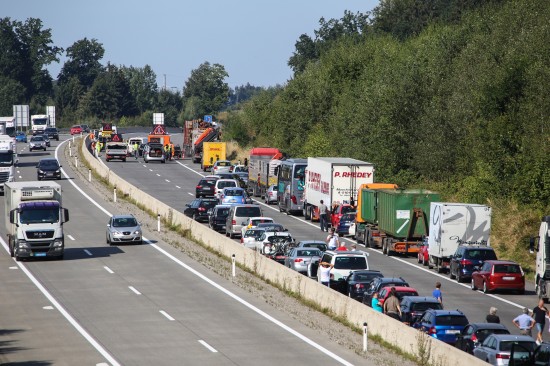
(83, 62)
(11, 92)
(143, 86)
(208, 87)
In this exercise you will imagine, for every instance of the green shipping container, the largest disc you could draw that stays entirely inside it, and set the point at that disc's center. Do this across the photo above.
(396, 212)
(368, 205)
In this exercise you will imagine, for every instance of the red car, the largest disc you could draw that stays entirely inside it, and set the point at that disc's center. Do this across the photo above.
(76, 130)
(423, 256)
(338, 212)
(400, 290)
(499, 275)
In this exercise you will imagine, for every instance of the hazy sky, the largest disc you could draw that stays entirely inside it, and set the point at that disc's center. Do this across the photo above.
(252, 39)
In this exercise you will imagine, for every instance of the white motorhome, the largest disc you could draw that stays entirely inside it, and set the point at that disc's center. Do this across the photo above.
(39, 122)
(34, 219)
(8, 160)
(454, 224)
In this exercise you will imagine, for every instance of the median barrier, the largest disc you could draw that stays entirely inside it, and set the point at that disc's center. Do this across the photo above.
(428, 350)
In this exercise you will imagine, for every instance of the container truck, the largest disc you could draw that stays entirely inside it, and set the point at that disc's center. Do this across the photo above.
(263, 164)
(333, 180)
(212, 152)
(34, 219)
(541, 244)
(454, 224)
(8, 160)
(366, 208)
(399, 221)
(39, 122)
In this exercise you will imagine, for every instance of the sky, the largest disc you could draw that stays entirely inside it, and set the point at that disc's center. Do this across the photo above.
(252, 39)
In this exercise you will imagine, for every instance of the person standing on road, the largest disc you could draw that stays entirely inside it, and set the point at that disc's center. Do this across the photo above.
(539, 314)
(524, 322)
(136, 150)
(324, 273)
(391, 305)
(375, 303)
(492, 317)
(332, 240)
(323, 216)
(437, 293)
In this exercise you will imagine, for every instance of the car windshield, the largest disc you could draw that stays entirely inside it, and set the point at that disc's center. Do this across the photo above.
(240, 169)
(49, 164)
(234, 192)
(506, 346)
(51, 130)
(346, 262)
(253, 233)
(483, 255)
(6, 158)
(452, 320)
(423, 306)
(37, 138)
(308, 253)
(507, 268)
(125, 222)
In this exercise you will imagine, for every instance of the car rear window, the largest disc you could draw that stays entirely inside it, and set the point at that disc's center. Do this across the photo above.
(208, 204)
(347, 209)
(481, 334)
(350, 263)
(223, 163)
(506, 346)
(322, 247)
(226, 184)
(507, 268)
(423, 306)
(247, 211)
(260, 221)
(452, 320)
(222, 211)
(308, 253)
(366, 276)
(234, 192)
(483, 255)
(400, 294)
(206, 182)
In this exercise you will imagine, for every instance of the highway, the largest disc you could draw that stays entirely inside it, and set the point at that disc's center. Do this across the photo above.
(138, 305)
(174, 183)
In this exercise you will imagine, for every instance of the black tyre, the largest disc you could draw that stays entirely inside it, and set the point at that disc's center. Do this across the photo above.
(12, 249)
(485, 289)
(451, 275)
(195, 217)
(369, 240)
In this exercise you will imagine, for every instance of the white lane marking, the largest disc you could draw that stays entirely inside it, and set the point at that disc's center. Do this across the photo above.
(20, 177)
(70, 237)
(14, 267)
(189, 193)
(62, 310)
(18, 172)
(102, 364)
(108, 269)
(178, 187)
(150, 170)
(167, 180)
(145, 165)
(87, 252)
(404, 224)
(134, 290)
(166, 315)
(210, 348)
(158, 175)
(49, 307)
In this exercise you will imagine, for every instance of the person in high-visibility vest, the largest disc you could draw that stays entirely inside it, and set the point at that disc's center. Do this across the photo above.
(136, 149)
(98, 148)
(166, 151)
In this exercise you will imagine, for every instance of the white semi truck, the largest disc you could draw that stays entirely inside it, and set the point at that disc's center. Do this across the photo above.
(333, 180)
(454, 224)
(39, 122)
(34, 219)
(541, 245)
(8, 160)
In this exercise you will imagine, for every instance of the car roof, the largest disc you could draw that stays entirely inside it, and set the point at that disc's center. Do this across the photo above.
(488, 326)
(420, 299)
(207, 199)
(401, 288)
(123, 216)
(349, 253)
(438, 312)
(47, 159)
(262, 218)
(501, 262)
(391, 279)
(512, 337)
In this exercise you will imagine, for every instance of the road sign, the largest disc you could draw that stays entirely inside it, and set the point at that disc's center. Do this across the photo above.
(21, 114)
(159, 130)
(116, 138)
(158, 118)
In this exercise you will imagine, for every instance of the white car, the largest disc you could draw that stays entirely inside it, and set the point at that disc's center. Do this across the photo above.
(251, 238)
(221, 166)
(267, 238)
(271, 194)
(343, 263)
(254, 221)
(223, 183)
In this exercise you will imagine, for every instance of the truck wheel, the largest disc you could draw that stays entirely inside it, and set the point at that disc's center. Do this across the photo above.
(307, 213)
(12, 250)
(369, 240)
(384, 247)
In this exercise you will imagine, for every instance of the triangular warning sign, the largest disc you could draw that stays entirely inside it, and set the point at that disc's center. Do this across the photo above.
(159, 130)
(116, 138)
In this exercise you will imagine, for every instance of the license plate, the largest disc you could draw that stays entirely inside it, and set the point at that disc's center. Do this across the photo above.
(39, 254)
(452, 331)
(508, 278)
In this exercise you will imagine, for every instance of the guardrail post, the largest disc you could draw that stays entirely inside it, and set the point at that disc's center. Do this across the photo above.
(158, 223)
(89, 175)
(365, 337)
(114, 195)
(233, 265)
(76, 161)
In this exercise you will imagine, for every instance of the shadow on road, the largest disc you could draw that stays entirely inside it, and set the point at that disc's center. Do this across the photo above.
(80, 253)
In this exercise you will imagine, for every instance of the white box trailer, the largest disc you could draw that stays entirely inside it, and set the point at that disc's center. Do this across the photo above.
(454, 224)
(334, 180)
(34, 219)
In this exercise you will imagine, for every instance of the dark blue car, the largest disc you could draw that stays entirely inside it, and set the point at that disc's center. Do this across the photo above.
(444, 325)
(345, 222)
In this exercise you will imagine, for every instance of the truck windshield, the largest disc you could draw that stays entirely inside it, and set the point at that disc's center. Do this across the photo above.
(39, 121)
(6, 158)
(39, 215)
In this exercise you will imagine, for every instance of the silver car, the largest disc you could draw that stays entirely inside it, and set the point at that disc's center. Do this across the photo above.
(123, 229)
(271, 194)
(37, 143)
(299, 258)
(496, 348)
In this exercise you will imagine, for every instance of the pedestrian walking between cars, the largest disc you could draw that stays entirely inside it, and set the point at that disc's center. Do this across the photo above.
(323, 222)
(524, 322)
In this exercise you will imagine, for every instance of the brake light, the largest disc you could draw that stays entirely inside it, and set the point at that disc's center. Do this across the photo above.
(359, 285)
(474, 338)
(201, 209)
(466, 262)
(293, 198)
(233, 222)
(199, 187)
(432, 330)
(502, 356)
(298, 260)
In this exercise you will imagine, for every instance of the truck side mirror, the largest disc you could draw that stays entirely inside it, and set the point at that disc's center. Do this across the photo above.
(65, 215)
(12, 216)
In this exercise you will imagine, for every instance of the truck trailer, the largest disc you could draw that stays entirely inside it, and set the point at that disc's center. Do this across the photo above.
(454, 224)
(333, 180)
(367, 199)
(263, 163)
(34, 219)
(212, 152)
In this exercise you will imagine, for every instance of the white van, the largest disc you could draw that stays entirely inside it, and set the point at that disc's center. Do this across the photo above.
(131, 141)
(238, 216)
(224, 183)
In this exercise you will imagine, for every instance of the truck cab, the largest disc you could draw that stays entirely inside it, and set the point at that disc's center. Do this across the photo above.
(39, 122)
(541, 244)
(8, 160)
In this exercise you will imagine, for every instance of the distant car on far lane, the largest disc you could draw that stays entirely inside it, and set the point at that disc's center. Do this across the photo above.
(76, 130)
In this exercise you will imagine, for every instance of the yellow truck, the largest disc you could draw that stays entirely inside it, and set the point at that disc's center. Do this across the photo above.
(212, 152)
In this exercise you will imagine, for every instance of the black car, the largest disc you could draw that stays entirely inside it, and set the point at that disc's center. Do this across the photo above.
(198, 209)
(206, 187)
(475, 333)
(217, 217)
(358, 281)
(378, 284)
(412, 307)
(52, 133)
(48, 168)
(466, 258)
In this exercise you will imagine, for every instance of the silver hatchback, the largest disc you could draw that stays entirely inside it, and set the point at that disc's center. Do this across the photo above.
(37, 143)
(123, 229)
(298, 259)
